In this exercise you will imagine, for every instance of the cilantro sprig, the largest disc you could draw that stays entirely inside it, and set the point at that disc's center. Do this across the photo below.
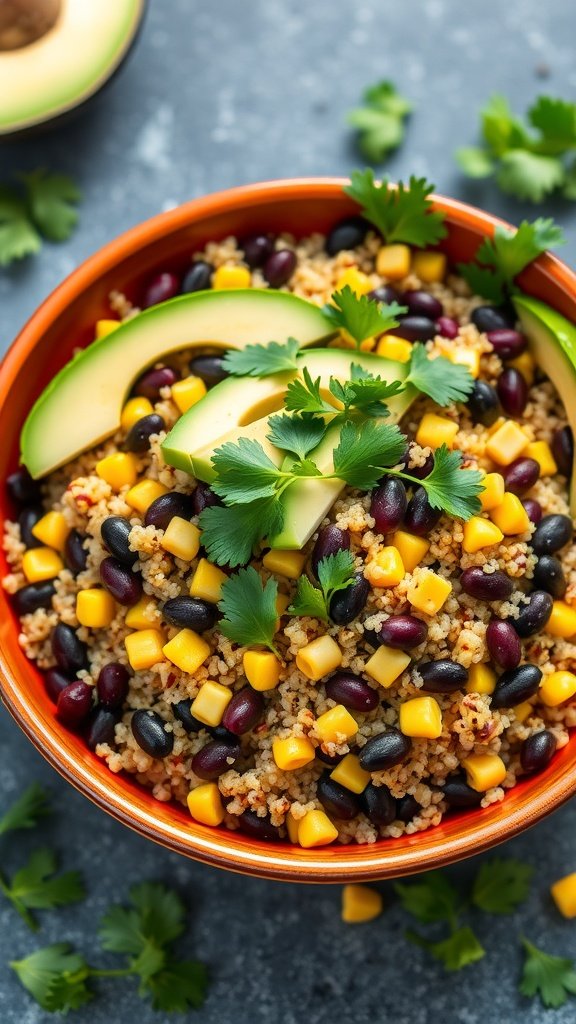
(360, 316)
(500, 259)
(36, 886)
(553, 978)
(249, 609)
(42, 205)
(335, 572)
(401, 214)
(380, 121)
(262, 360)
(26, 812)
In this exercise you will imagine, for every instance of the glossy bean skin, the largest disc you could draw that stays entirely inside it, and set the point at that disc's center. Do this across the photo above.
(251, 824)
(101, 728)
(533, 510)
(385, 750)
(115, 533)
(457, 793)
(163, 510)
(338, 801)
(138, 437)
(549, 576)
(112, 685)
(32, 597)
(351, 691)
(198, 278)
(483, 403)
(330, 759)
(148, 731)
(26, 520)
(74, 703)
(551, 534)
(75, 554)
(421, 472)
(534, 615)
(407, 808)
(257, 249)
(347, 604)
(184, 715)
(503, 644)
(244, 711)
(563, 450)
(447, 327)
(209, 368)
(346, 234)
(443, 676)
(70, 652)
(490, 318)
(521, 475)
(190, 613)
(507, 343)
(150, 383)
(512, 391)
(385, 293)
(203, 497)
(124, 585)
(330, 540)
(403, 632)
(22, 489)
(215, 758)
(54, 683)
(388, 504)
(421, 303)
(420, 517)
(537, 751)
(486, 586)
(279, 267)
(516, 685)
(161, 288)
(379, 804)
(415, 328)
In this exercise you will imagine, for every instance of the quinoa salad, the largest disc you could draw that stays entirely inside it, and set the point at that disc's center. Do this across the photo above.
(374, 670)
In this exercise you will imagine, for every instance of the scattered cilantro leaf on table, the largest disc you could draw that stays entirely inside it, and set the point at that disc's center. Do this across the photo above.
(500, 259)
(51, 200)
(553, 978)
(429, 899)
(249, 609)
(401, 214)
(380, 120)
(37, 887)
(55, 977)
(501, 885)
(26, 811)
(262, 360)
(335, 573)
(360, 316)
(439, 378)
(457, 951)
(180, 986)
(298, 434)
(18, 236)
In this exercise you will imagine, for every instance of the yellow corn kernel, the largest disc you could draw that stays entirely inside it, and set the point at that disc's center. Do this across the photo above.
(556, 688)
(350, 774)
(319, 658)
(211, 702)
(359, 283)
(386, 569)
(182, 539)
(395, 348)
(207, 582)
(141, 496)
(386, 664)
(104, 327)
(205, 804)
(429, 265)
(292, 752)
(526, 364)
(52, 529)
(510, 516)
(481, 679)
(523, 711)
(393, 261)
(187, 650)
(119, 470)
(360, 903)
(493, 493)
(41, 564)
(421, 717)
(563, 893)
(468, 357)
(291, 827)
(143, 614)
(285, 563)
(316, 829)
(134, 410)
(494, 427)
(185, 393)
(282, 603)
(541, 451)
(95, 608)
(480, 533)
(484, 771)
(436, 430)
(262, 669)
(231, 277)
(506, 443)
(336, 725)
(428, 592)
(562, 621)
(412, 549)
(144, 648)
(345, 340)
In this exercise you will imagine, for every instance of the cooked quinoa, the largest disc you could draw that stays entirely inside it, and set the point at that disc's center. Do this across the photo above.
(470, 725)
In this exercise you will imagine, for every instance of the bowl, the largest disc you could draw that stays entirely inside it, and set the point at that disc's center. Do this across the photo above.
(65, 321)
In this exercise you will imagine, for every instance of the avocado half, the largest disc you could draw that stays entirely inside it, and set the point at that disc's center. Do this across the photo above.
(56, 54)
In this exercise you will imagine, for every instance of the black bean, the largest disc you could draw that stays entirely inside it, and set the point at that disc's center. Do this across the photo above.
(385, 750)
(403, 632)
(209, 368)
(22, 489)
(215, 758)
(184, 715)
(338, 801)
(244, 711)
(457, 793)
(115, 533)
(259, 828)
(483, 403)
(347, 234)
(161, 512)
(219, 732)
(190, 613)
(533, 510)
(203, 497)
(490, 318)
(198, 278)
(149, 385)
(415, 328)
(70, 652)
(257, 249)
(162, 287)
(551, 534)
(36, 595)
(563, 450)
(420, 517)
(138, 437)
(443, 676)
(388, 504)
(503, 643)
(331, 759)
(521, 475)
(347, 604)
(534, 615)
(75, 554)
(379, 804)
(537, 750)
(512, 391)
(421, 472)
(101, 728)
(279, 267)
(149, 732)
(486, 586)
(506, 343)
(112, 685)
(330, 540)
(407, 808)
(26, 521)
(421, 303)
(74, 703)
(448, 327)
(549, 576)
(516, 685)
(351, 691)
(54, 683)
(124, 585)
(384, 293)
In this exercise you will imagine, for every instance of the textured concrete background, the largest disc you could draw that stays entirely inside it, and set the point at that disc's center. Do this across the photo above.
(218, 94)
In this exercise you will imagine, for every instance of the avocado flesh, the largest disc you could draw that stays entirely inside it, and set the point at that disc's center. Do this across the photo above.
(552, 339)
(82, 404)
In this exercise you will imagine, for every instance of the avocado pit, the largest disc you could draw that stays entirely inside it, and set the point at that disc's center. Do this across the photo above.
(23, 22)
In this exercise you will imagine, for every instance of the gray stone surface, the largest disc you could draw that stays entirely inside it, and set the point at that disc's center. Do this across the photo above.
(219, 93)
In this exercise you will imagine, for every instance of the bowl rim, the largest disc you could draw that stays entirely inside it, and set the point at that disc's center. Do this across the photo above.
(218, 846)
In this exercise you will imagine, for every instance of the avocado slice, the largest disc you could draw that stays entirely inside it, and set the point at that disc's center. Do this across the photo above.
(56, 54)
(552, 339)
(82, 405)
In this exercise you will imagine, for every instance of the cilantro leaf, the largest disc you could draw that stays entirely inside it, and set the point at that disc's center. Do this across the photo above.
(451, 488)
(505, 255)
(442, 380)
(32, 888)
(500, 128)
(457, 951)
(26, 811)
(296, 434)
(50, 200)
(491, 284)
(18, 236)
(380, 120)
(360, 316)
(249, 609)
(365, 450)
(229, 535)
(335, 572)
(262, 360)
(529, 175)
(182, 985)
(245, 472)
(157, 913)
(553, 978)
(431, 898)
(401, 214)
(305, 396)
(364, 393)
(475, 162)
(501, 885)
(556, 121)
(309, 600)
(55, 977)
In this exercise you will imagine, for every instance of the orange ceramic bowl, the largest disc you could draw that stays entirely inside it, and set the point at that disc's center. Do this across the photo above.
(65, 321)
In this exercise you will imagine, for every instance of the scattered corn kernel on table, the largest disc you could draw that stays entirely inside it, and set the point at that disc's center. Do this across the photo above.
(201, 106)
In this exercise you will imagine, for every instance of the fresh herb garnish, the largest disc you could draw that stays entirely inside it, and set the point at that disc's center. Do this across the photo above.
(501, 258)
(457, 951)
(363, 394)
(439, 378)
(55, 977)
(529, 160)
(431, 898)
(245, 472)
(449, 487)
(262, 360)
(361, 317)
(36, 886)
(298, 434)
(365, 450)
(401, 214)
(501, 885)
(553, 978)
(380, 121)
(249, 609)
(43, 207)
(26, 811)
(335, 572)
